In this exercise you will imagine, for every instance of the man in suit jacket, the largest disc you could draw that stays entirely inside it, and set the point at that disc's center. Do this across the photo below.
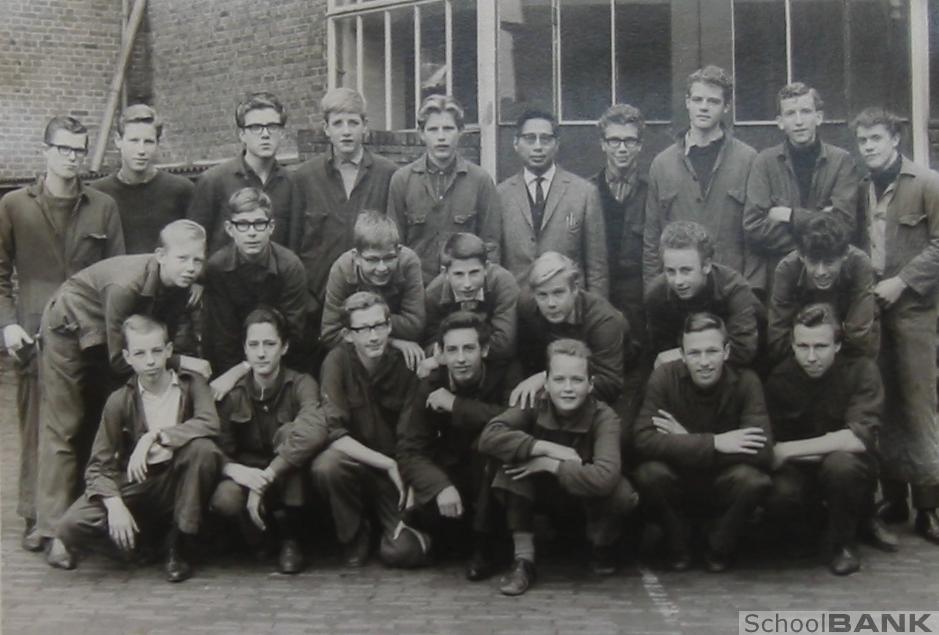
(547, 208)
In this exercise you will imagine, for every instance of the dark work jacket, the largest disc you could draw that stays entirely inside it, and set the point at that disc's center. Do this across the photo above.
(216, 185)
(430, 444)
(735, 402)
(123, 423)
(849, 395)
(593, 431)
(624, 250)
(725, 294)
(234, 288)
(594, 322)
(365, 407)
(329, 215)
(287, 422)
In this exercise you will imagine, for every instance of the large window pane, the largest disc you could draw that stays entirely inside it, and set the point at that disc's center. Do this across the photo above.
(464, 57)
(525, 78)
(402, 69)
(759, 57)
(585, 58)
(433, 50)
(879, 71)
(346, 71)
(373, 71)
(644, 56)
(818, 51)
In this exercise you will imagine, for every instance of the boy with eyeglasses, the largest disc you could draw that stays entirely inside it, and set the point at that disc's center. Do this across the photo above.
(147, 198)
(623, 198)
(550, 209)
(365, 386)
(246, 273)
(48, 231)
(261, 119)
(380, 264)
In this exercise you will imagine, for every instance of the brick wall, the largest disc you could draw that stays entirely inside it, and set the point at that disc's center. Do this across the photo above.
(205, 55)
(56, 57)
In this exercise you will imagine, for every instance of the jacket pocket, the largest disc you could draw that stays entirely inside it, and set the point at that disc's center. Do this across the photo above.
(90, 249)
(738, 196)
(466, 219)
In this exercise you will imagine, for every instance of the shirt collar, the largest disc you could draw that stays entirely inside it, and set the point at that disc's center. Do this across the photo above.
(422, 165)
(579, 421)
(257, 393)
(230, 259)
(244, 169)
(548, 176)
(174, 382)
(462, 389)
(355, 161)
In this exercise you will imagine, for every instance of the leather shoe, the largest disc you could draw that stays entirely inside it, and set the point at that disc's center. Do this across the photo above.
(32, 540)
(680, 561)
(927, 525)
(176, 568)
(291, 557)
(876, 534)
(716, 562)
(357, 550)
(893, 511)
(59, 556)
(519, 579)
(603, 560)
(845, 561)
(480, 565)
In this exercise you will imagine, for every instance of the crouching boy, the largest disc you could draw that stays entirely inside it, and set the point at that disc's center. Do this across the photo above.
(153, 457)
(563, 452)
(272, 425)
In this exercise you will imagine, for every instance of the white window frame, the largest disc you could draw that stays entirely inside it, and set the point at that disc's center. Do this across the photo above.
(362, 8)
(789, 76)
(556, 75)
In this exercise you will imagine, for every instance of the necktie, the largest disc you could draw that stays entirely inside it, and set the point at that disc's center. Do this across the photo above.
(537, 210)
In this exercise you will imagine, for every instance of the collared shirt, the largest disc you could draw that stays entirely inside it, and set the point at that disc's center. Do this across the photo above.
(531, 181)
(691, 140)
(621, 185)
(161, 411)
(441, 178)
(348, 169)
(877, 229)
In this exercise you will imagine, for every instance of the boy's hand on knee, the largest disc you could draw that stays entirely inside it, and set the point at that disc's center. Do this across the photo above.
(121, 524)
(254, 479)
(255, 509)
(449, 502)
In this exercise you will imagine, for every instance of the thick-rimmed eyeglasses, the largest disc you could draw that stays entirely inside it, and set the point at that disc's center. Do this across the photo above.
(65, 151)
(261, 128)
(618, 142)
(371, 328)
(244, 225)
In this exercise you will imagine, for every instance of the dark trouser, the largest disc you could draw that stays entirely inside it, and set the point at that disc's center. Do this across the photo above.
(842, 480)
(178, 489)
(27, 409)
(471, 480)
(542, 492)
(282, 502)
(736, 490)
(909, 438)
(346, 484)
(74, 385)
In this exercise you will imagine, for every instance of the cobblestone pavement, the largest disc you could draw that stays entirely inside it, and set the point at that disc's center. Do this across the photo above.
(105, 596)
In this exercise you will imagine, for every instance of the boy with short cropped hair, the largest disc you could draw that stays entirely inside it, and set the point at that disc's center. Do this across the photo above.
(147, 198)
(469, 282)
(153, 457)
(704, 437)
(336, 186)
(261, 120)
(248, 272)
(564, 452)
(380, 264)
(442, 193)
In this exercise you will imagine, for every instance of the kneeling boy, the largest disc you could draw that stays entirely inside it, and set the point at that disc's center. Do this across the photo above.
(153, 456)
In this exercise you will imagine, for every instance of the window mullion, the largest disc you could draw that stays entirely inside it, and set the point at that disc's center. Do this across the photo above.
(359, 55)
(388, 96)
(417, 60)
(788, 5)
(448, 32)
(556, 50)
(612, 51)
